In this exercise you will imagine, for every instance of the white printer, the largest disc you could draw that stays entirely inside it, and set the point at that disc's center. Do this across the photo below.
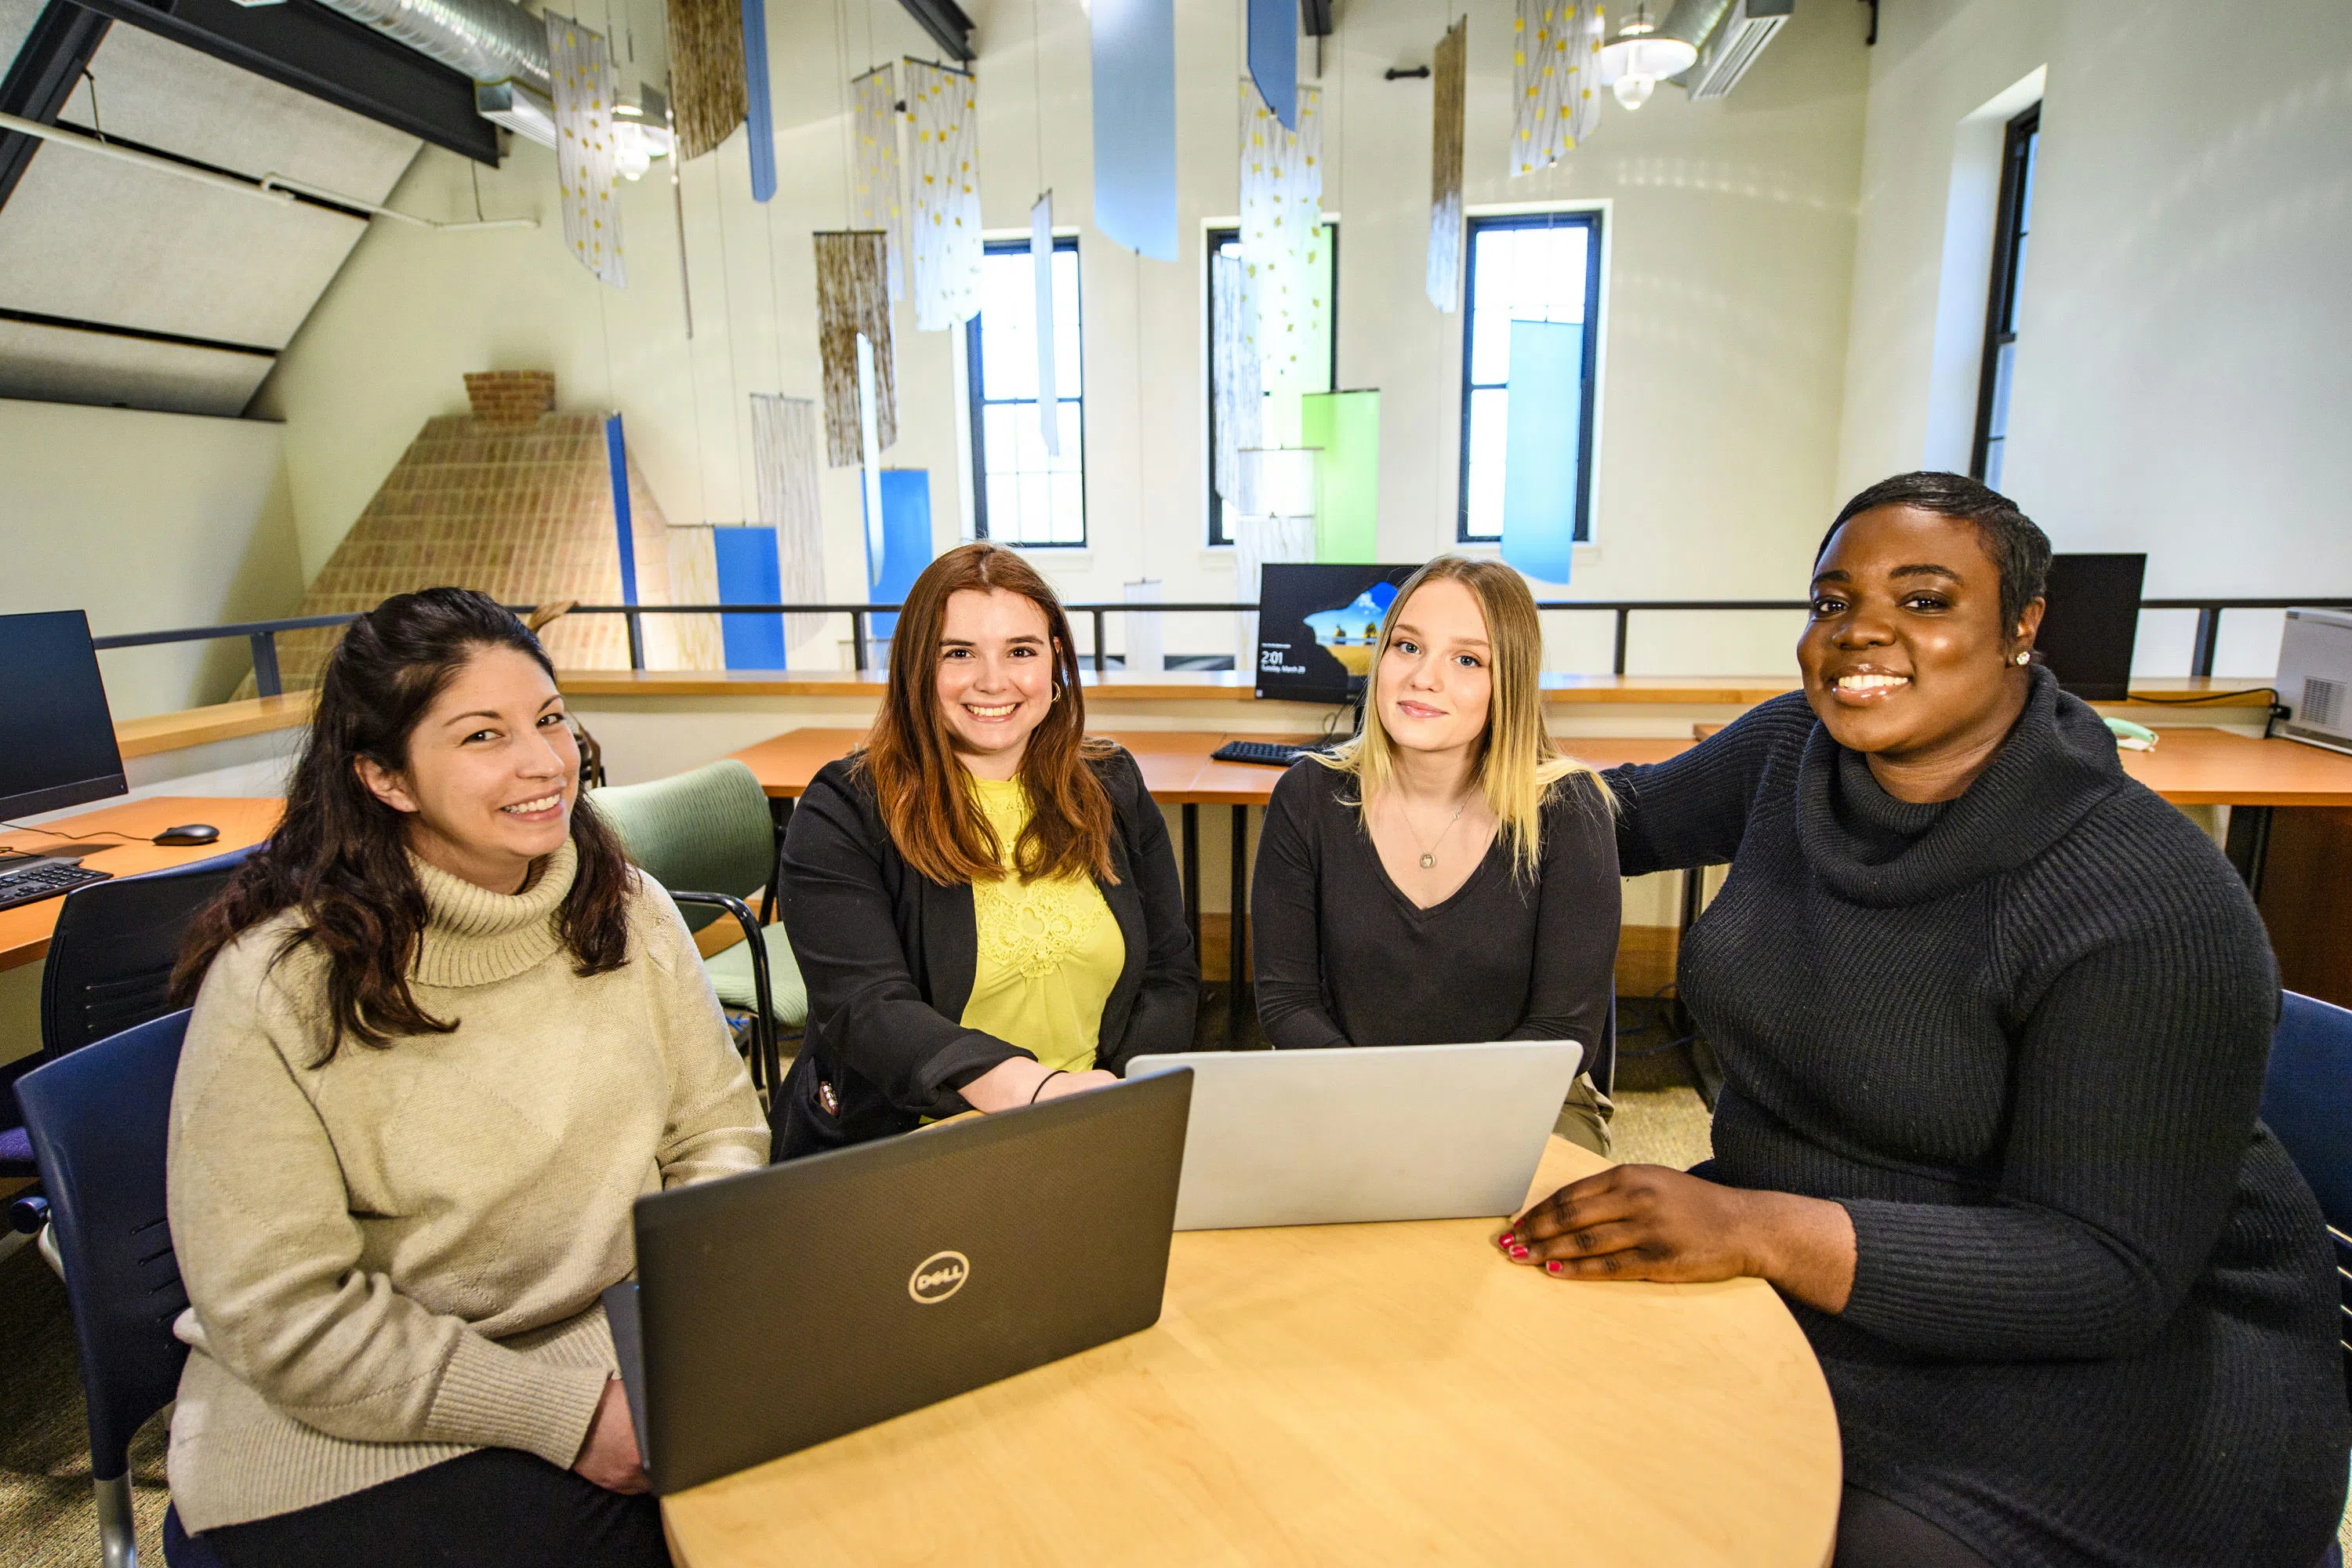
(2314, 677)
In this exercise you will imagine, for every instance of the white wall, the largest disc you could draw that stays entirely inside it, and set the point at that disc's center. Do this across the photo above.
(148, 522)
(2184, 349)
(1732, 229)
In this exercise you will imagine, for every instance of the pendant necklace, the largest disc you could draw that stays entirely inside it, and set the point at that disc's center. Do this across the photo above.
(1429, 856)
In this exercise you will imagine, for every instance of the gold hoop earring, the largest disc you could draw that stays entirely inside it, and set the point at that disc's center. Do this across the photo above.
(1057, 694)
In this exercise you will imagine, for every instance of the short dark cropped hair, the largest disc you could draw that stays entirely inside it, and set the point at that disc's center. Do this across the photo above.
(2019, 548)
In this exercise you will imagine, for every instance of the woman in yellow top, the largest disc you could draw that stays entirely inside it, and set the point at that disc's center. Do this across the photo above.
(983, 901)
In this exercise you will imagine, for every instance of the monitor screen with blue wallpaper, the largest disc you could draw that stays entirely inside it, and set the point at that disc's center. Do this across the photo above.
(1318, 627)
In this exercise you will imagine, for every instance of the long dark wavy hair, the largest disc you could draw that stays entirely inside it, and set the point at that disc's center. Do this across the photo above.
(341, 856)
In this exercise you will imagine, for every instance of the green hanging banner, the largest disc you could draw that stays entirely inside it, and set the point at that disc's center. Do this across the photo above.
(1347, 426)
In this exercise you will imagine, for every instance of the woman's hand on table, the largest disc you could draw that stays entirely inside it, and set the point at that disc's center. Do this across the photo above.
(1017, 1081)
(1649, 1222)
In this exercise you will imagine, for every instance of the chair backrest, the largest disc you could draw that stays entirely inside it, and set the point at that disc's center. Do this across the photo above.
(109, 963)
(705, 831)
(2307, 1105)
(99, 1119)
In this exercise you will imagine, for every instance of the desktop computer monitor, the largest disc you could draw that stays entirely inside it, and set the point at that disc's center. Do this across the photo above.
(2089, 623)
(56, 738)
(1318, 627)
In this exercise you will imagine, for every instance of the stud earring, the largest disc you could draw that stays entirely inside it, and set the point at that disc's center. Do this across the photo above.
(2025, 656)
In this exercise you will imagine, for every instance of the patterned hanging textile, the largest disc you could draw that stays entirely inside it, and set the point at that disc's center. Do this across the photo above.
(944, 176)
(1445, 282)
(694, 580)
(1282, 228)
(585, 177)
(1556, 74)
(784, 469)
(1235, 382)
(852, 299)
(875, 199)
(708, 95)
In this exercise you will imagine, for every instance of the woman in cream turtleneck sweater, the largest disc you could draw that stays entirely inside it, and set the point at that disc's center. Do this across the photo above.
(444, 1037)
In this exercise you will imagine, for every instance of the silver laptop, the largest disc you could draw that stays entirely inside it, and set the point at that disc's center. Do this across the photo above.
(1386, 1132)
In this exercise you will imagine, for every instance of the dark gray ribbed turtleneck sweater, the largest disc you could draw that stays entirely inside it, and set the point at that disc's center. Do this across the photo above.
(2020, 1037)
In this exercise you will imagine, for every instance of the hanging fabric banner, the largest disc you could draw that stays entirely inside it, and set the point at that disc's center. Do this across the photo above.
(1258, 540)
(784, 471)
(707, 90)
(694, 580)
(1236, 384)
(869, 449)
(853, 300)
(1449, 80)
(1273, 57)
(1541, 460)
(905, 528)
(1041, 256)
(876, 200)
(585, 176)
(1281, 229)
(1556, 79)
(756, 118)
(1135, 124)
(746, 562)
(943, 174)
(1346, 427)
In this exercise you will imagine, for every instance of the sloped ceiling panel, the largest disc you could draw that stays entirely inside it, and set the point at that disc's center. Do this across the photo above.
(58, 365)
(152, 91)
(17, 19)
(96, 240)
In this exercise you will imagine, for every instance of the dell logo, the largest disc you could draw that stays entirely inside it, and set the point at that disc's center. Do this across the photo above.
(939, 1277)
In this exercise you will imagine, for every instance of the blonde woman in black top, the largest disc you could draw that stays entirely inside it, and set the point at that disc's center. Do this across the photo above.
(1448, 876)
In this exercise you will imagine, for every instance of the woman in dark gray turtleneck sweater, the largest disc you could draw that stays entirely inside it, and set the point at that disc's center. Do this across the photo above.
(1993, 1021)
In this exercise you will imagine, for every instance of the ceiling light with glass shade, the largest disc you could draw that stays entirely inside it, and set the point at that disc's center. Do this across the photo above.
(1638, 58)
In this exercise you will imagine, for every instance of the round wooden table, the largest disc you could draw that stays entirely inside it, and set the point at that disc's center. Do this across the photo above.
(1341, 1393)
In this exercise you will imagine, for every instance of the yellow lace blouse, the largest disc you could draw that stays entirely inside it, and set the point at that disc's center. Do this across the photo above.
(1050, 951)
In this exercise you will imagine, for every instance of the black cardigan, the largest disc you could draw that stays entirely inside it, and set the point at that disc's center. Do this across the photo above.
(2020, 1037)
(888, 957)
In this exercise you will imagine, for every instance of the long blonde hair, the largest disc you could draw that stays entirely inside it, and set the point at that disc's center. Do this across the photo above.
(1517, 767)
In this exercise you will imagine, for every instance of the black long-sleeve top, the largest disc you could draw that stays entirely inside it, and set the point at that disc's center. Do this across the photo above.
(1343, 958)
(2020, 1037)
(888, 956)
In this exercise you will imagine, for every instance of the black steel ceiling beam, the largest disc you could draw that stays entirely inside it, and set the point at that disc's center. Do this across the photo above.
(944, 20)
(46, 70)
(302, 45)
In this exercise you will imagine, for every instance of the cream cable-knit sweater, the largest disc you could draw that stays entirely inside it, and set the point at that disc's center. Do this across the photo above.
(395, 1258)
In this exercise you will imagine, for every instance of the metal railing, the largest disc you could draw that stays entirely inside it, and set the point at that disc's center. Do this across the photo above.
(263, 634)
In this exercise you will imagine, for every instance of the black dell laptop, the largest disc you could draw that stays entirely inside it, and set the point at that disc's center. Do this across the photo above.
(781, 1307)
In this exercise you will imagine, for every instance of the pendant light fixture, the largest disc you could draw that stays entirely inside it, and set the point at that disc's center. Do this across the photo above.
(1633, 62)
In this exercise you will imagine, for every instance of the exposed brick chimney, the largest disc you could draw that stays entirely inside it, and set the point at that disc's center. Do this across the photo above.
(511, 396)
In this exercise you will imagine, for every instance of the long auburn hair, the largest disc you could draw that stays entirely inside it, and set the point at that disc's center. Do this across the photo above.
(341, 856)
(926, 796)
(1517, 767)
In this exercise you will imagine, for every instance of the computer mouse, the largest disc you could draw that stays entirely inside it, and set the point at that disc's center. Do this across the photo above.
(188, 833)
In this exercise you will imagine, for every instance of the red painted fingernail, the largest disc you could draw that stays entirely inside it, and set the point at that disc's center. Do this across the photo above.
(1507, 1239)
(1552, 1267)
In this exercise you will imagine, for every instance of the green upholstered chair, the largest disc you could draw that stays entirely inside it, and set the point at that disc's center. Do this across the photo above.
(707, 837)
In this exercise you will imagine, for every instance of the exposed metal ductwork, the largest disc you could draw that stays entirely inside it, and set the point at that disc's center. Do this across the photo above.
(489, 40)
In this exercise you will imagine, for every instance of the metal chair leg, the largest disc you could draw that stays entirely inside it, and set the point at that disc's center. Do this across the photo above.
(763, 1023)
(46, 1244)
(118, 1530)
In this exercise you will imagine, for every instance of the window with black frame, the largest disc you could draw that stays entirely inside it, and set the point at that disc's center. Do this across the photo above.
(1526, 267)
(1280, 420)
(1021, 493)
(2014, 221)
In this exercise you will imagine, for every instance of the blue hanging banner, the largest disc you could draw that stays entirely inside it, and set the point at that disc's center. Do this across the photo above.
(906, 541)
(1134, 124)
(748, 575)
(759, 120)
(1541, 460)
(617, 464)
(1273, 57)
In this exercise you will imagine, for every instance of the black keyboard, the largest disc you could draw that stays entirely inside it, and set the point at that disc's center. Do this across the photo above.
(1274, 753)
(34, 883)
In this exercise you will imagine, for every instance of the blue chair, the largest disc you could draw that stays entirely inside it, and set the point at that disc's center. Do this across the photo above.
(2307, 1104)
(99, 1119)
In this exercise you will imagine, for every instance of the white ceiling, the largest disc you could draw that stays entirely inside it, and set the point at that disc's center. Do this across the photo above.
(89, 239)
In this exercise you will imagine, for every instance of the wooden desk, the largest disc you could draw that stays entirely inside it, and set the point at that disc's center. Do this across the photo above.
(1357, 1394)
(24, 929)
